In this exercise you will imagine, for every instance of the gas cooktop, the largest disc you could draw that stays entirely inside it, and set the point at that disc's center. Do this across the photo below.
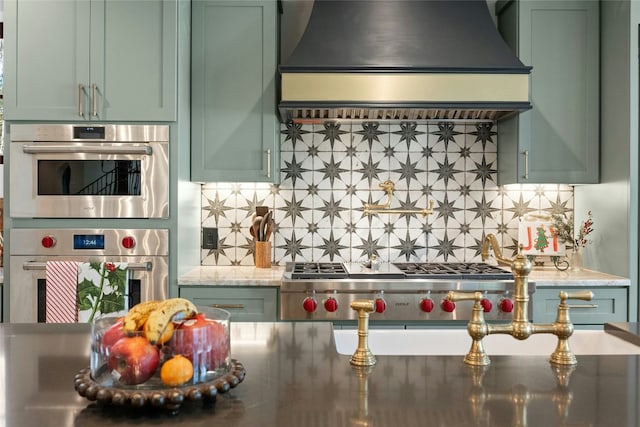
(409, 270)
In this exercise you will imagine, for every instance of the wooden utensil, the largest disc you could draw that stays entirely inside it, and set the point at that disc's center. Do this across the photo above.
(270, 225)
(263, 225)
(256, 227)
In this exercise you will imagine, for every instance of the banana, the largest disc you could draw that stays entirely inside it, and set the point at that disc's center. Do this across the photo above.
(164, 313)
(137, 315)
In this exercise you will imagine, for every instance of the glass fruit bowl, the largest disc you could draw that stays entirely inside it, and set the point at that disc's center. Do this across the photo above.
(190, 351)
(191, 360)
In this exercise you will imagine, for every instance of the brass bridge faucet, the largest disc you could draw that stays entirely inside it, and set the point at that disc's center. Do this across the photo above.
(520, 327)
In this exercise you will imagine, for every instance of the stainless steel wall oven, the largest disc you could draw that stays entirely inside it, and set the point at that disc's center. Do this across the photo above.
(79, 171)
(146, 252)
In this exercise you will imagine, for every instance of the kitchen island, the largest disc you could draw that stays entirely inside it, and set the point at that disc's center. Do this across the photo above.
(295, 377)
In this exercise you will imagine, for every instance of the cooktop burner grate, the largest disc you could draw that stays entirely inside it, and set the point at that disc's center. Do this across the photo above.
(318, 270)
(453, 270)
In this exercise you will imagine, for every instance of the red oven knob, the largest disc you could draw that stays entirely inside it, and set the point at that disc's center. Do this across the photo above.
(309, 304)
(426, 305)
(48, 242)
(486, 305)
(128, 242)
(381, 305)
(506, 305)
(331, 305)
(447, 305)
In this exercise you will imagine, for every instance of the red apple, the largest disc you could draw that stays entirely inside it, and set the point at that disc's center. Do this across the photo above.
(133, 360)
(112, 334)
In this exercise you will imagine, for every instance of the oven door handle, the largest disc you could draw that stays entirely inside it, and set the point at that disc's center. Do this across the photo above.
(109, 149)
(34, 265)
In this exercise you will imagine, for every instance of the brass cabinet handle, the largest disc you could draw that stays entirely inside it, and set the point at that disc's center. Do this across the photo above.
(94, 111)
(80, 89)
(268, 163)
(227, 306)
(526, 164)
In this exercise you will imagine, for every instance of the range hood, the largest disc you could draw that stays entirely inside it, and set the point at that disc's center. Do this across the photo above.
(396, 60)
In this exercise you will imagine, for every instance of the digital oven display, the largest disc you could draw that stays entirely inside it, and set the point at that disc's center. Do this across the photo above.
(88, 132)
(88, 241)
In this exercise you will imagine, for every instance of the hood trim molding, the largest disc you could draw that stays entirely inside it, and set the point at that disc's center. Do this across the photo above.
(405, 88)
(317, 97)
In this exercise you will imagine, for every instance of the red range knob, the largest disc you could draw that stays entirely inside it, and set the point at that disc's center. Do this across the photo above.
(447, 305)
(381, 305)
(486, 305)
(426, 305)
(331, 305)
(506, 305)
(309, 304)
(48, 242)
(128, 242)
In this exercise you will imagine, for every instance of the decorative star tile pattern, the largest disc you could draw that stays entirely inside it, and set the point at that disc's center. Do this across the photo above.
(329, 171)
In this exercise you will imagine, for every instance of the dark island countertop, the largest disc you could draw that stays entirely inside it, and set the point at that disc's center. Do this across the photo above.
(296, 378)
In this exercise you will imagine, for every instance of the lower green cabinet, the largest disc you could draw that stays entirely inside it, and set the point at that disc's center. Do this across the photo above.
(252, 304)
(611, 305)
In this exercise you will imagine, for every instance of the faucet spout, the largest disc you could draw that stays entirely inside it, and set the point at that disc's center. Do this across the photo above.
(491, 242)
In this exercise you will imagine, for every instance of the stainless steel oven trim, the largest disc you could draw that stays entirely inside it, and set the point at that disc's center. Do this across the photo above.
(147, 143)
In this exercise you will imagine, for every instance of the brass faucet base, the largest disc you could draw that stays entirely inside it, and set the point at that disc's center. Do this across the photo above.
(363, 357)
(477, 356)
(563, 355)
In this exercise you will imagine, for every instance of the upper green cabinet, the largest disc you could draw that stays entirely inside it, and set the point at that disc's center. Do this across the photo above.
(90, 60)
(557, 141)
(234, 127)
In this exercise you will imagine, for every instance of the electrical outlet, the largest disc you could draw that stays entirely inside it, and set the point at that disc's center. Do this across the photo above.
(209, 238)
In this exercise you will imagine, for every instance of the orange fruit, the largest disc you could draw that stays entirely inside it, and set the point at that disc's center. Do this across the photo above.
(176, 371)
(166, 335)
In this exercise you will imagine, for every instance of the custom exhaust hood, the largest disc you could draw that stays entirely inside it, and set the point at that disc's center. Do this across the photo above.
(395, 60)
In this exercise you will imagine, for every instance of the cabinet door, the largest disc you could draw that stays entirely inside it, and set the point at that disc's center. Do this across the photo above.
(233, 124)
(46, 51)
(255, 304)
(611, 306)
(134, 60)
(557, 141)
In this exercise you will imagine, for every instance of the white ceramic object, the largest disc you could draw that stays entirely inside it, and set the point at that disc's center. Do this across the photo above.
(451, 342)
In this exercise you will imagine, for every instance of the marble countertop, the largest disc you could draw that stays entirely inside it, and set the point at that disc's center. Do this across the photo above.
(233, 276)
(252, 276)
(295, 377)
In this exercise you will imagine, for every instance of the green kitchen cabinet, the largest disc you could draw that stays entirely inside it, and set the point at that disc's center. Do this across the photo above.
(90, 60)
(557, 141)
(234, 126)
(610, 302)
(246, 304)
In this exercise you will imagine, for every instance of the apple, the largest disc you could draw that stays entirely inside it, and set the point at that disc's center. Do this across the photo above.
(133, 360)
(112, 335)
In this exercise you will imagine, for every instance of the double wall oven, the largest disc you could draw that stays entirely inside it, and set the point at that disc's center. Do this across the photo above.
(117, 173)
(403, 292)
